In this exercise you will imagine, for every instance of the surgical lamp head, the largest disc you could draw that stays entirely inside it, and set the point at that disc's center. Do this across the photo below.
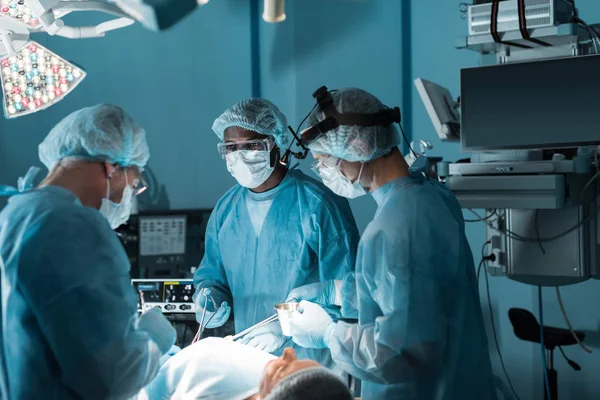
(32, 77)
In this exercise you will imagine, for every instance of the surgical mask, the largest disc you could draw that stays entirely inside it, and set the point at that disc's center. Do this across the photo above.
(250, 168)
(339, 184)
(117, 214)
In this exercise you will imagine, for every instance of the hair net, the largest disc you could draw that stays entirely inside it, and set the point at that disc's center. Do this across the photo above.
(311, 384)
(103, 132)
(258, 115)
(354, 143)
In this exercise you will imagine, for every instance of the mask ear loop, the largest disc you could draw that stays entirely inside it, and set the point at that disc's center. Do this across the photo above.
(107, 188)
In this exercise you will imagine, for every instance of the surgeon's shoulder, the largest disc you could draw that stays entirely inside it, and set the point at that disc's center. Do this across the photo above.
(76, 221)
(227, 202)
(319, 195)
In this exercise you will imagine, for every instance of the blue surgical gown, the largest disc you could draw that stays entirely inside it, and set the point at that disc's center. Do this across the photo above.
(420, 333)
(309, 235)
(68, 309)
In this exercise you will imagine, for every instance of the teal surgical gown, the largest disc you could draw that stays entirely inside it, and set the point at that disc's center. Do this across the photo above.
(69, 328)
(420, 333)
(308, 235)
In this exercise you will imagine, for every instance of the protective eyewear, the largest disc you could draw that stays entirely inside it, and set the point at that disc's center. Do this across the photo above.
(325, 164)
(266, 144)
(138, 184)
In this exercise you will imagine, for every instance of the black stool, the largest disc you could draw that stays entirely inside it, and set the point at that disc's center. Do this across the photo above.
(527, 327)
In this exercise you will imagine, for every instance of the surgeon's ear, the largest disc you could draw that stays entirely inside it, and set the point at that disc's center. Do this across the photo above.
(109, 169)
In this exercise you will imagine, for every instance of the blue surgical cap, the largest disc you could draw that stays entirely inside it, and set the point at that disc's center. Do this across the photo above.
(352, 142)
(258, 115)
(99, 133)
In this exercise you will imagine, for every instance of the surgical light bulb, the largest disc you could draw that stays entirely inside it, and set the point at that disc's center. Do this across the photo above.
(29, 85)
(18, 11)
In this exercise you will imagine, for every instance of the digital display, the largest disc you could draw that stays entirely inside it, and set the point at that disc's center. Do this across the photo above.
(148, 287)
(150, 292)
(178, 293)
(162, 235)
(164, 293)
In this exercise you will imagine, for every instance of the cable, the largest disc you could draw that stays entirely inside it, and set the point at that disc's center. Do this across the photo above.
(565, 316)
(516, 236)
(572, 363)
(406, 140)
(537, 231)
(594, 35)
(487, 287)
(563, 353)
(493, 213)
(589, 183)
(483, 258)
(541, 311)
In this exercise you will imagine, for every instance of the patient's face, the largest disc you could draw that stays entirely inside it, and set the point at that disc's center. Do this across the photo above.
(280, 368)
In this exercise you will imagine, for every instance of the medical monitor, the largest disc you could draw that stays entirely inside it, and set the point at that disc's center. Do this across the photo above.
(164, 244)
(531, 105)
(441, 108)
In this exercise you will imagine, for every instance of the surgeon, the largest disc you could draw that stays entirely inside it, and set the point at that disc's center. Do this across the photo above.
(420, 331)
(70, 328)
(276, 230)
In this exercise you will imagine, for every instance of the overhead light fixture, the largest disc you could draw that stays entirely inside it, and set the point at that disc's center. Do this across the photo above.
(158, 15)
(274, 11)
(34, 78)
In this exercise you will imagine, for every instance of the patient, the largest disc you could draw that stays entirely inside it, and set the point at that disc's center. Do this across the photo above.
(216, 368)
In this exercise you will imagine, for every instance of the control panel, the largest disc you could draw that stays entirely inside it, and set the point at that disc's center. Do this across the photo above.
(172, 296)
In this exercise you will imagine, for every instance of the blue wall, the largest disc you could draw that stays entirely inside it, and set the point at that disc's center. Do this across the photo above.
(175, 83)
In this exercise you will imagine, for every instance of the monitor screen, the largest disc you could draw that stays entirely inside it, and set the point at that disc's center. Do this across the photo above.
(531, 105)
(162, 235)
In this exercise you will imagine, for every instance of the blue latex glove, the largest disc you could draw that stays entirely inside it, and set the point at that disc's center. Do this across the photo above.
(172, 351)
(324, 293)
(158, 328)
(311, 326)
(215, 316)
(268, 338)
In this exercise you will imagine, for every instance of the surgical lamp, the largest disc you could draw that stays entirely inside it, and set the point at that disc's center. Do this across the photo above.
(33, 77)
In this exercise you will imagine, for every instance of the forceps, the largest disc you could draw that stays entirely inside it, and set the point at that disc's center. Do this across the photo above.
(202, 326)
(253, 327)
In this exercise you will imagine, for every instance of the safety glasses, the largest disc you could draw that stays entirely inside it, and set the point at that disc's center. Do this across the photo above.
(139, 186)
(266, 144)
(326, 165)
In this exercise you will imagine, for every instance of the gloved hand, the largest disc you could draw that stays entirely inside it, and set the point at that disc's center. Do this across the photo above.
(268, 338)
(158, 327)
(325, 293)
(172, 351)
(311, 326)
(214, 318)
